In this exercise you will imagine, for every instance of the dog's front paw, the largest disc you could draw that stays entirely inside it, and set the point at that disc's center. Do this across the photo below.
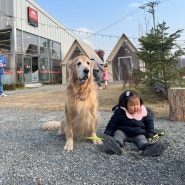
(69, 145)
(99, 142)
(51, 125)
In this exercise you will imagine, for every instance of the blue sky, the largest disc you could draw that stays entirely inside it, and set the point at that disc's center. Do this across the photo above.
(107, 20)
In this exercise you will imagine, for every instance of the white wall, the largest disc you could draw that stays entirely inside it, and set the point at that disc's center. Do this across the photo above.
(48, 27)
(6, 8)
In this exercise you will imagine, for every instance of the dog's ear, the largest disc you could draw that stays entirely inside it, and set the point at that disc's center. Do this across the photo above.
(70, 69)
(69, 66)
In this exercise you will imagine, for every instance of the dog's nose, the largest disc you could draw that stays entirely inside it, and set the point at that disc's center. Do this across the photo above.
(86, 71)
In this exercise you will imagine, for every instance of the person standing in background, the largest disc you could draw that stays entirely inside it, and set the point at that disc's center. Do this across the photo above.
(3, 64)
(96, 69)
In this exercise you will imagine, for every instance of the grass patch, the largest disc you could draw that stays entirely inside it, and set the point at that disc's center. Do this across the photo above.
(54, 100)
(107, 99)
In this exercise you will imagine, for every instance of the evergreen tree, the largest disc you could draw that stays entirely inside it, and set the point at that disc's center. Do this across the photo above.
(160, 53)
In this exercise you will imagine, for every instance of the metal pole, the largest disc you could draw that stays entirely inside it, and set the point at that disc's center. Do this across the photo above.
(151, 10)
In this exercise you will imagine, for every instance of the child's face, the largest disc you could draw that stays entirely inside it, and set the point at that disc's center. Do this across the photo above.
(133, 105)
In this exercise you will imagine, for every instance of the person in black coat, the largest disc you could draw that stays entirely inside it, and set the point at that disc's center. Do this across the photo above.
(131, 122)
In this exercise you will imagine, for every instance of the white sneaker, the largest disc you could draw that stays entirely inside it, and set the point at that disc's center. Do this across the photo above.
(100, 88)
(3, 95)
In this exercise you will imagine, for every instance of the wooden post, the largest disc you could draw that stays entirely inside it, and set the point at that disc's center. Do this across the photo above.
(177, 104)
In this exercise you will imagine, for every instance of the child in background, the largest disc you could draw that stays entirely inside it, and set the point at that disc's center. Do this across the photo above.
(131, 122)
(105, 76)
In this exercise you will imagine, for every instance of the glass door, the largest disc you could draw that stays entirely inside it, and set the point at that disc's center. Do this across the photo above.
(35, 72)
(43, 70)
(27, 70)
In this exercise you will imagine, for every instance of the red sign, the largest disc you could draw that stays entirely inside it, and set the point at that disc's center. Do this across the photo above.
(32, 17)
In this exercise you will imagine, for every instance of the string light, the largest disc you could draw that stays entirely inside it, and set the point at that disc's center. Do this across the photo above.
(88, 34)
(66, 29)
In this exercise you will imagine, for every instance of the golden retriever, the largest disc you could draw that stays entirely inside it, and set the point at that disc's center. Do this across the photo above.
(80, 119)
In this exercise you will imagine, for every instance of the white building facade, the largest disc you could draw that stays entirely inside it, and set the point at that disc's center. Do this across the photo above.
(33, 42)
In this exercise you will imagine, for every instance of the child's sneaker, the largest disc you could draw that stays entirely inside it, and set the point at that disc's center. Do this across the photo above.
(159, 132)
(153, 150)
(111, 144)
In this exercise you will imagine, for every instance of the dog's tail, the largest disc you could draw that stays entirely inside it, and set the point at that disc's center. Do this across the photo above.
(51, 125)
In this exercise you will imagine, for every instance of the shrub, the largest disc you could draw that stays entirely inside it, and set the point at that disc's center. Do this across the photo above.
(20, 85)
(9, 87)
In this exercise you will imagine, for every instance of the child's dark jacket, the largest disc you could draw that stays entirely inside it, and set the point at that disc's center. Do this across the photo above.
(130, 127)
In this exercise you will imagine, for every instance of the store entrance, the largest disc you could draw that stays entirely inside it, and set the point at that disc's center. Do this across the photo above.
(30, 69)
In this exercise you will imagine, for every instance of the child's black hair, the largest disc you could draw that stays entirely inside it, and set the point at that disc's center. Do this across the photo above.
(125, 96)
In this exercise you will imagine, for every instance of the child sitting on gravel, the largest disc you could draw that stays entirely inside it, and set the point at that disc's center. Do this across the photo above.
(131, 122)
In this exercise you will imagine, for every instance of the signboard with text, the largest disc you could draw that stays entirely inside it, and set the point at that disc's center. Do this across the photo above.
(32, 17)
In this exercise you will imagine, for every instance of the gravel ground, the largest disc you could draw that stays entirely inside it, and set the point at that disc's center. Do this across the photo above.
(30, 156)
